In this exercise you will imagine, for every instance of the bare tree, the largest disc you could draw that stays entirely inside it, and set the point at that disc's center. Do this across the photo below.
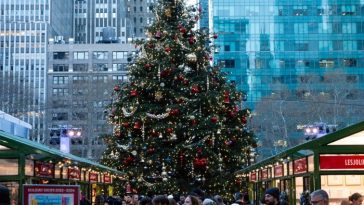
(331, 98)
(16, 95)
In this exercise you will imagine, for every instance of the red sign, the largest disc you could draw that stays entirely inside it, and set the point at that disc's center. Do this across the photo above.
(300, 166)
(278, 170)
(74, 173)
(42, 169)
(343, 162)
(264, 174)
(57, 194)
(93, 177)
(107, 179)
(253, 176)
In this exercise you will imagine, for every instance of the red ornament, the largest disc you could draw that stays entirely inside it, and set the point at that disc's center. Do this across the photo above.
(243, 120)
(168, 49)
(133, 93)
(213, 119)
(226, 97)
(125, 124)
(158, 35)
(180, 77)
(151, 150)
(166, 73)
(191, 40)
(194, 122)
(195, 89)
(200, 163)
(174, 112)
(155, 133)
(169, 130)
(183, 29)
(137, 125)
(116, 88)
(147, 66)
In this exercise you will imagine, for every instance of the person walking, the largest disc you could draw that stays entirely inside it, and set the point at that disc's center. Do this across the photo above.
(4, 195)
(356, 199)
(241, 199)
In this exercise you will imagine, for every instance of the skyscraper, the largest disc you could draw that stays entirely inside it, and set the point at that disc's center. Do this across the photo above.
(25, 26)
(265, 43)
(305, 52)
(139, 14)
(99, 21)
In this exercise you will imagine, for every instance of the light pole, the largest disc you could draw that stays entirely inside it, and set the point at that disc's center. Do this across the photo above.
(64, 135)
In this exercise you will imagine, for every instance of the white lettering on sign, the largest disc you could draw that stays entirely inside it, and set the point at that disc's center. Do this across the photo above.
(351, 162)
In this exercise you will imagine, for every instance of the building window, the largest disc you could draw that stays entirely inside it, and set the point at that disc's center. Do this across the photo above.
(79, 116)
(60, 68)
(60, 116)
(349, 62)
(100, 67)
(228, 63)
(60, 80)
(100, 55)
(79, 79)
(100, 78)
(119, 54)
(60, 91)
(326, 63)
(80, 55)
(60, 55)
(80, 67)
(118, 67)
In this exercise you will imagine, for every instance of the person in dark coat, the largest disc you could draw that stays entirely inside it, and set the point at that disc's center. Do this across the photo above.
(4, 195)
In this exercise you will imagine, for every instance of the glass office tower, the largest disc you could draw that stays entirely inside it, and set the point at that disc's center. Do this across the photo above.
(270, 45)
(25, 26)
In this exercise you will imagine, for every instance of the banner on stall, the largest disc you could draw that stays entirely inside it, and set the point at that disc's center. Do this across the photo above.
(51, 194)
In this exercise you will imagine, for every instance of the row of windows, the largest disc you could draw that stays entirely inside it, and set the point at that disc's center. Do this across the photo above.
(84, 55)
(288, 28)
(99, 67)
(260, 63)
(289, 10)
(290, 45)
(97, 55)
(309, 79)
(61, 80)
(62, 116)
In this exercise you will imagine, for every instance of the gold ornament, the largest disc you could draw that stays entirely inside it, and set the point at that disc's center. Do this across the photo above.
(168, 12)
(158, 95)
(192, 58)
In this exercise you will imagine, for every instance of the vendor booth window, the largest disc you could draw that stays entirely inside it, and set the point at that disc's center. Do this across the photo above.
(57, 172)
(9, 167)
(340, 187)
(29, 167)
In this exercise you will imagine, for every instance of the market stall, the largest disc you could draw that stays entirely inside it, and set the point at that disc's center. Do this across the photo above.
(334, 162)
(26, 162)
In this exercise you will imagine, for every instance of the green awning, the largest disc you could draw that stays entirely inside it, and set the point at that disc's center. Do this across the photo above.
(26, 146)
(309, 147)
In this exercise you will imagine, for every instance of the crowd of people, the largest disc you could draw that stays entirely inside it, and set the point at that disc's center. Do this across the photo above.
(272, 196)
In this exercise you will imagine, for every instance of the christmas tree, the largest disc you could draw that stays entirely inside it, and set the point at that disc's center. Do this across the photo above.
(178, 122)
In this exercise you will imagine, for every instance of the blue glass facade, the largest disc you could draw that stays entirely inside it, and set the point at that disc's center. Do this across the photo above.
(268, 45)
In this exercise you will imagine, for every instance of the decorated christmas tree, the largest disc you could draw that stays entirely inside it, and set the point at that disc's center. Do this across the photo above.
(178, 123)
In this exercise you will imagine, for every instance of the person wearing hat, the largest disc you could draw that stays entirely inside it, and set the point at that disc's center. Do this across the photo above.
(272, 196)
